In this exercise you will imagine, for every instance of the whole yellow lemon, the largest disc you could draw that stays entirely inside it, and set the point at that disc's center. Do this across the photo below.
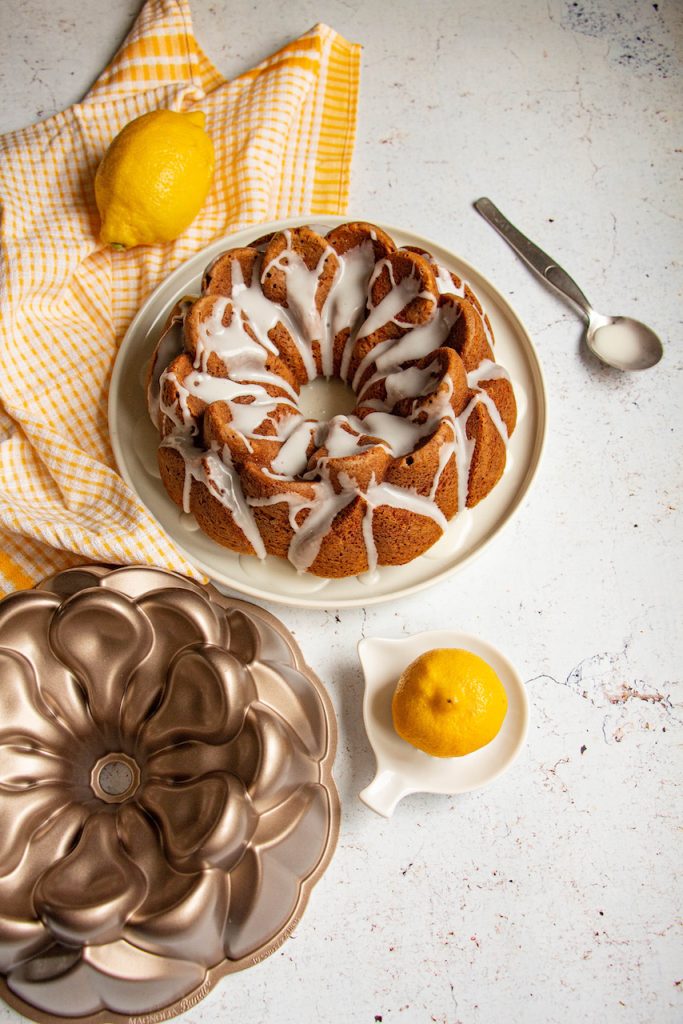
(154, 178)
(449, 702)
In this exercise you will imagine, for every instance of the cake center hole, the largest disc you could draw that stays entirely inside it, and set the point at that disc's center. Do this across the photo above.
(115, 777)
(323, 399)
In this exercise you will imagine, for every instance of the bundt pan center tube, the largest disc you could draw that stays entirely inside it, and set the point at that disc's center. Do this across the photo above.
(166, 796)
(338, 498)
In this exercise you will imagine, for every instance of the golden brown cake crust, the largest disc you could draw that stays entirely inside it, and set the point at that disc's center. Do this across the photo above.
(311, 247)
(348, 236)
(218, 277)
(398, 267)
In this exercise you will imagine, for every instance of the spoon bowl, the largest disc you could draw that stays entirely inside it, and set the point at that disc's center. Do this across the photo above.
(623, 343)
(619, 341)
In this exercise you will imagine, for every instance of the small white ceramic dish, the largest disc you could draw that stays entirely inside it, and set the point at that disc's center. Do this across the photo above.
(401, 768)
(134, 442)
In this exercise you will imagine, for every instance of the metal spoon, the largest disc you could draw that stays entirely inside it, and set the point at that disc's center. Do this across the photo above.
(619, 341)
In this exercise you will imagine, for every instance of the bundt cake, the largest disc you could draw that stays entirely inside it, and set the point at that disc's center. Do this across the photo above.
(376, 487)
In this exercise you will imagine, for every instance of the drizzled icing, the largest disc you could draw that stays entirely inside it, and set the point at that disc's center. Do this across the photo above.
(306, 448)
(233, 344)
(347, 303)
(386, 311)
(396, 299)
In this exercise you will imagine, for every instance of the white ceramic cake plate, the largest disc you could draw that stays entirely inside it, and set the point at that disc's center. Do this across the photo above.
(135, 440)
(401, 768)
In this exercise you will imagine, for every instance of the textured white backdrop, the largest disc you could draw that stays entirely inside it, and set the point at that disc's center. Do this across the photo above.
(554, 895)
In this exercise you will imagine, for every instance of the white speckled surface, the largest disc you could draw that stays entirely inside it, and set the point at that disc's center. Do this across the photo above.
(554, 895)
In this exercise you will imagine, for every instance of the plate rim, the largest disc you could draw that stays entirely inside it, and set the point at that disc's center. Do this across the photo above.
(316, 599)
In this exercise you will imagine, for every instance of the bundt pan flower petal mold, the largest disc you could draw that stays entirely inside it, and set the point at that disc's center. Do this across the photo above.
(166, 797)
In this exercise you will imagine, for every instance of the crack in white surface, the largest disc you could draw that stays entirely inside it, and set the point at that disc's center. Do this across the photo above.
(603, 679)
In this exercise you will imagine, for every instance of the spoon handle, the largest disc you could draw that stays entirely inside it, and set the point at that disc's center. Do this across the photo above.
(544, 265)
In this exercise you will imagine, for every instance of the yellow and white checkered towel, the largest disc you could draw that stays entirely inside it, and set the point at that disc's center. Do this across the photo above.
(284, 135)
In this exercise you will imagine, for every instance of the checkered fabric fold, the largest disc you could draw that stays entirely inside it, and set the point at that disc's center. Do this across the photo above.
(284, 134)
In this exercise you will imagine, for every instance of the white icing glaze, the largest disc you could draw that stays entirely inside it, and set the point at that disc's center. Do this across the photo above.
(343, 437)
(302, 286)
(417, 343)
(223, 481)
(386, 311)
(401, 435)
(233, 344)
(411, 383)
(220, 389)
(395, 497)
(446, 286)
(421, 340)
(251, 406)
(488, 370)
(445, 283)
(308, 538)
(453, 537)
(394, 302)
(291, 460)
(279, 572)
(169, 346)
(188, 522)
(347, 301)
(181, 442)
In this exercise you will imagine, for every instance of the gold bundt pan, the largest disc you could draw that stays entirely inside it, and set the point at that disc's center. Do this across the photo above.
(166, 797)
